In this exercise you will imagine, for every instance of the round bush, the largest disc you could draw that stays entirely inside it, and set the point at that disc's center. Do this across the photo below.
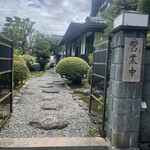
(21, 71)
(89, 76)
(19, 58)
(30, 60)
(72, 68)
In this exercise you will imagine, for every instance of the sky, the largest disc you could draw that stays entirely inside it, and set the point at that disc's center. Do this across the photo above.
(51, 16)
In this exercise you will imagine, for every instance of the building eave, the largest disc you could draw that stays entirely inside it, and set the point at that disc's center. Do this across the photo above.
(78, 29)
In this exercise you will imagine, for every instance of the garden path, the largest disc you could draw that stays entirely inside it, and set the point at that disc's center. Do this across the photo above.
(29, 108)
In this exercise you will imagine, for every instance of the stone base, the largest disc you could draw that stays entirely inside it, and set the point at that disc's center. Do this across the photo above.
(93, 143)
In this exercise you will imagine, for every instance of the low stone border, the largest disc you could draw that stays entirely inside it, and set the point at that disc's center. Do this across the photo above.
(92, 143)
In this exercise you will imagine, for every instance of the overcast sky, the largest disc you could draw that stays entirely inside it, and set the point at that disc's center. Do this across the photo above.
(51, 16)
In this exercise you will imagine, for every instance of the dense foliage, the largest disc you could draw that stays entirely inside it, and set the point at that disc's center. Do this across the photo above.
(119, 5)
(54, 44)
(19, 58)
(42, 57)
(30, 60)
(42, 50)
(144, 6)
(90, 57)
(20, 30)
(72, 68)
(21, 71)
(89, 76)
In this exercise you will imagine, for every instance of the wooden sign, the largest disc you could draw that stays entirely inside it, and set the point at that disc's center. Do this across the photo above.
(132, 59)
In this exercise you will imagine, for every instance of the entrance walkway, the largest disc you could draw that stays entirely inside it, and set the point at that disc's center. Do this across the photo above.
(29, 108)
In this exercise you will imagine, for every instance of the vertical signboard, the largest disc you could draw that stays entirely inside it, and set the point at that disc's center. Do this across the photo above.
(132, 59)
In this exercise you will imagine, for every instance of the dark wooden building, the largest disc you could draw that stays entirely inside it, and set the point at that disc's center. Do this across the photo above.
(80, 37)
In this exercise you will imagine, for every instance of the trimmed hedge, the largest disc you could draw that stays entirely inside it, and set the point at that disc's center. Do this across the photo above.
(72, 68)
(30, 60)
(21, 71)
(19, 58)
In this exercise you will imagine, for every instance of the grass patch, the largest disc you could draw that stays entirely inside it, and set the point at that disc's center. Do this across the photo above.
(36, 74)
(86, 99)
(93, 131)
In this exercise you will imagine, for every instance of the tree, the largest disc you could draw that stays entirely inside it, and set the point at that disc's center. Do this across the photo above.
(116, 9)
(126, 4)
(25, 31)
(144, 6)
(19, 30)
(42, 50)
(54, 44)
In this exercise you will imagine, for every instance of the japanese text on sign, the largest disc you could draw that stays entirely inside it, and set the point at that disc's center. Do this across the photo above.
(132, 59)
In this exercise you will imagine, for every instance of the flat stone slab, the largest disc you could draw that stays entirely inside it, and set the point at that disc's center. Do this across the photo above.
(87, 91)
(50, 91)
(71, 92)
(48, 98)
(57, 81)
(48, 123)
(50, 83)
(48, 106)
(82, 104)
(42, 86)
(63, 143)
(41, 80)
(83, 91)
(75, 97)
(27, 93)
(16, 98)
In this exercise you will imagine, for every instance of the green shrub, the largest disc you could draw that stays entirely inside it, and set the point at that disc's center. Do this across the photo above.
(148, 39)
(30, 60)
(47, 67)
(42, 57)
(72, 68)
(17, 51)
(21, 71)
(90, 57)
(144, 6)
(19, 58)
(89, 76)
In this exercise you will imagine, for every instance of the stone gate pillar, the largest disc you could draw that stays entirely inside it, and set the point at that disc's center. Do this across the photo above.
(126, 83)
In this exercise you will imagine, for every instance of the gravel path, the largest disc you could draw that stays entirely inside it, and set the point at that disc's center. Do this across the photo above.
(29, 108)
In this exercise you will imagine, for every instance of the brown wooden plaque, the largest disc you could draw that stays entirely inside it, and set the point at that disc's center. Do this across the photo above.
(132, 59)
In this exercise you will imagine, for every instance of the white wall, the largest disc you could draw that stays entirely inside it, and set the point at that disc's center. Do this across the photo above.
(83, 40)
(73, 49)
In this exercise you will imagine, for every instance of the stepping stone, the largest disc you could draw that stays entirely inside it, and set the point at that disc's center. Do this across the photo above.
(41, 80)
(49, 122)
(76, 97)
(87, 91)
(50, 91)
(48, 98)
(71, 92)
(27, 93)
(16, 98)
(45, 86)
(50, 83)
(82, 104)
(57, 81)
(48, 106)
